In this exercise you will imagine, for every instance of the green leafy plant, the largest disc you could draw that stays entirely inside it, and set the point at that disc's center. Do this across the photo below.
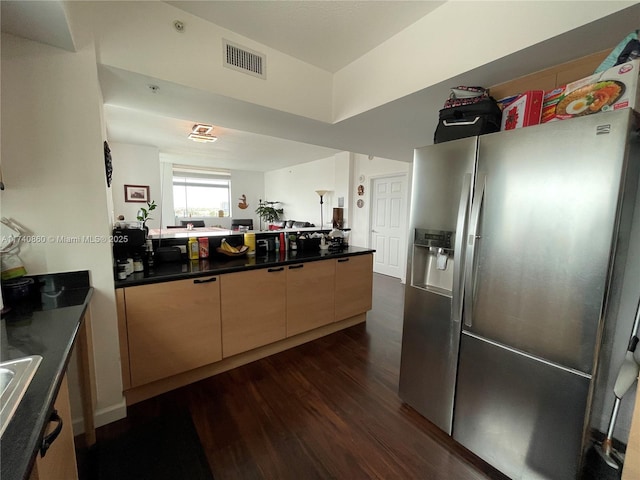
(143, 213)
(267, 211)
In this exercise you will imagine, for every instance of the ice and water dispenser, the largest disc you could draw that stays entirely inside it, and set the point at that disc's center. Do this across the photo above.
(432, 264)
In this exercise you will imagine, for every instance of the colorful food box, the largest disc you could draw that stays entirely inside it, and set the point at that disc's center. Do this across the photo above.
(612, 89)
(524, 111)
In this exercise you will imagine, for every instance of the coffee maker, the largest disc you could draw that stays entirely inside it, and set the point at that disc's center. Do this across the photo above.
(128, 243)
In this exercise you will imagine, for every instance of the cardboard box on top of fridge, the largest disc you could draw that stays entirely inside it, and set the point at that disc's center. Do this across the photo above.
(611, 89)
(523, 111)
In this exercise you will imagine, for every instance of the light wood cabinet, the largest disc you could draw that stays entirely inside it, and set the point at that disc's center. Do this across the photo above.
(177, 332)
(310, 295)
(354, 284)
(172, 327)
(59, 461)
(253, 309)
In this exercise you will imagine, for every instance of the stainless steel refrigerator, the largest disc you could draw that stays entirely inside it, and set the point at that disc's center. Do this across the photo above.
(516, 252)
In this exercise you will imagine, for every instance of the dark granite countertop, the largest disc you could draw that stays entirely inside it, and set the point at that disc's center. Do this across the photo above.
(218, 265)
(47, 325)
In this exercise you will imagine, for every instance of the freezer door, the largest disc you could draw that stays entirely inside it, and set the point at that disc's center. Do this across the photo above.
(441, 193)
(521, 415)
(542, 233)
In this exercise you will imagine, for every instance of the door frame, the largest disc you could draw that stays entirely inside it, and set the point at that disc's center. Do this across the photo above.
(404, 216)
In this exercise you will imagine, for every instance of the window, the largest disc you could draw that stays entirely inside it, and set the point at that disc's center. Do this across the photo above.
(199, 192)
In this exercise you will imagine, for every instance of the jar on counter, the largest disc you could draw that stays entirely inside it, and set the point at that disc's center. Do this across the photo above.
(121, 269)
(138, 265)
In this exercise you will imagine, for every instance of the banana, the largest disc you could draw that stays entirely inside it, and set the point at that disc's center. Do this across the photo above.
(228, 248)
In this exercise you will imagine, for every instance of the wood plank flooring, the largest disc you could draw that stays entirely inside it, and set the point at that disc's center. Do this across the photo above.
(328, 409)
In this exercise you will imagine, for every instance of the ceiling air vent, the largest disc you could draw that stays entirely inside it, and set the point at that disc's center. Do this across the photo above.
(244, 60)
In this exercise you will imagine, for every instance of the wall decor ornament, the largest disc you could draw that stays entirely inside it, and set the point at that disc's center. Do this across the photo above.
(360, 190)
(108, 164)
(360, 203)
(136, 193)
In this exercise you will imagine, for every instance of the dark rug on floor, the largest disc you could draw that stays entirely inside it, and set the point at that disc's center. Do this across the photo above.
(166, 448)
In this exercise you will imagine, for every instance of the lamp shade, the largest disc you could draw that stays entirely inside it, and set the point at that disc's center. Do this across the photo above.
(322, 192)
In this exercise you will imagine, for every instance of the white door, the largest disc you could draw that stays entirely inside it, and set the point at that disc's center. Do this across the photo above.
(388, 224)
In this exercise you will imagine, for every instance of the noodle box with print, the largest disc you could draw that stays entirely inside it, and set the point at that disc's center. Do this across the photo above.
(523, 111)
(609, 90)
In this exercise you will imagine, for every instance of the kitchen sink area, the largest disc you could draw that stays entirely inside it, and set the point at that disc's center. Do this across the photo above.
(15, 377)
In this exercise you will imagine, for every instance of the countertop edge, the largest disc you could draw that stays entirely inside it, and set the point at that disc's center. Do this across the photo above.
(221, 269)
(40, 404)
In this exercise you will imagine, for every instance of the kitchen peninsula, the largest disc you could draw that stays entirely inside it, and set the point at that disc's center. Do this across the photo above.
(185, 321)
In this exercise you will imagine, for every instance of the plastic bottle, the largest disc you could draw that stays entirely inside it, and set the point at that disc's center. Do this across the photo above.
(193, 250)
(149, 247)
(283, 243)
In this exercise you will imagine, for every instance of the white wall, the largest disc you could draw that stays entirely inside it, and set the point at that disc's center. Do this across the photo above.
(343, 167)
(361, 217)
(250, 184)
(135, 165)
(414, 58)
(194, 57)
(54, 174)
(295, 188)
(409, 61)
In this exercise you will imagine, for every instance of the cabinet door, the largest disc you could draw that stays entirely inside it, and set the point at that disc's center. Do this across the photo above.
(173, 327)
(253, 309)
(354, 282)
(310, 295)
(59, 461)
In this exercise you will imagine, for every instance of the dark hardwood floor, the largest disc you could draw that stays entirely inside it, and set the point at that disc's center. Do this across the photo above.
(326, 409)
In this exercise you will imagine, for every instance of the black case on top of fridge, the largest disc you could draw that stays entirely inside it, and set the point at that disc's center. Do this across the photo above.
(468, 120)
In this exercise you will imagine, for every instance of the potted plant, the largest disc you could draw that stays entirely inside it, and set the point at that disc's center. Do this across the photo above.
(267, 211)
(143, 215)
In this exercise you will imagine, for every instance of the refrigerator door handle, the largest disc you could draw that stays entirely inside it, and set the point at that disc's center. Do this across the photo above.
(458, 268)
(478, 199)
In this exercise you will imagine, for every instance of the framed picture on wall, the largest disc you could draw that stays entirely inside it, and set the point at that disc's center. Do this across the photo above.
(136, 193)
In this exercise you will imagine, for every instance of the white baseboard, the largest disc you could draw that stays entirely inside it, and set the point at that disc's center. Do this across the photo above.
(103, 416)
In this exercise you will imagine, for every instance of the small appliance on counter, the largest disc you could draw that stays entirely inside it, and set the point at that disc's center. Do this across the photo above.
(129, 245)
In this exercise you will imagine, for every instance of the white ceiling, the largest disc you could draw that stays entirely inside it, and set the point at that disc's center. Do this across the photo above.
(326, 34)
(234, 147)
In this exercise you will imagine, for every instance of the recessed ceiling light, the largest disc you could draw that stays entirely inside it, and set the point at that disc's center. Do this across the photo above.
(201, 133)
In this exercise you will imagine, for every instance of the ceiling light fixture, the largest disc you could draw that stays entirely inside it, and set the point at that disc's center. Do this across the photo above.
(201, 133)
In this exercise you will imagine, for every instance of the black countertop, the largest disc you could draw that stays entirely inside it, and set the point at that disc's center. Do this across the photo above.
(218, 265)
(46, 325)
